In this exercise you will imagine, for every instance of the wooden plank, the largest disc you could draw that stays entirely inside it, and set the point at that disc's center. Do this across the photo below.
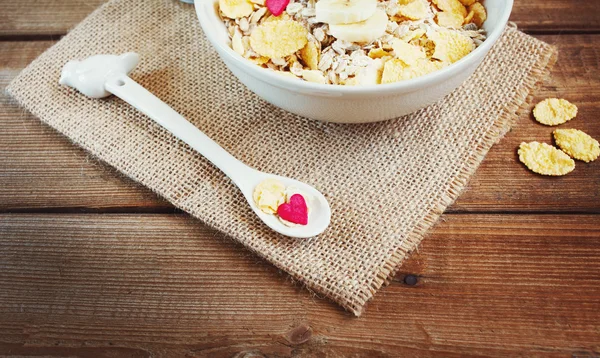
(40, 169)
(503, 184)
(43, 17)
(557, 16)
(164, 285)
(56, 17)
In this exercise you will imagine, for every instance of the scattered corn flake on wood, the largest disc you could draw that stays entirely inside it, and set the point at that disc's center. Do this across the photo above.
(577, 144)
(554, 111)
(544, 159)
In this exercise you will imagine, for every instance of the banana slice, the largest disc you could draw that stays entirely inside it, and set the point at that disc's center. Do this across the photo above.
(336, 12)
(364, 31)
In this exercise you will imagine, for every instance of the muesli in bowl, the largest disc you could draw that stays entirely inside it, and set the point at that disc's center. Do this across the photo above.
(354, 42)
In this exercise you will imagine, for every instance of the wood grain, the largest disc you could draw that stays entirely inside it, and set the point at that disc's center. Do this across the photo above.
(164, 285)
(503, 183)
(43, 170)
(557, 16)
(34, 155)
(56, 17)
(43, 17)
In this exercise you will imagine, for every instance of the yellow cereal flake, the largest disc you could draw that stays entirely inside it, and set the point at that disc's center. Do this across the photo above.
(450, 19)
(469, 17)
(272, 18)
(544, 159)
(413, 35)
(397, 70)
(371, 74)
(268, 195)
(423, 67)
(408, 53)
(451, 6)
(577, 144)
(314, 76)
(392, 71)
(553, 111)
(310, 55)
(415, 10)
(351, 81)
(378, 53)
(451, 46)
(278, 39)
(259, 60)
(467, 2)
(234, 9)
(479, 14)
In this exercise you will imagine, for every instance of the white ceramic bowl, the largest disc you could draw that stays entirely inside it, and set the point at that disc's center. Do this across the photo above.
(350, 104)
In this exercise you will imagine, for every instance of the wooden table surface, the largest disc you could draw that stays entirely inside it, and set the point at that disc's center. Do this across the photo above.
(92, 264)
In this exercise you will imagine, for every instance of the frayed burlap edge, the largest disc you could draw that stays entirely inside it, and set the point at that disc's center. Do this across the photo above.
(538, 75)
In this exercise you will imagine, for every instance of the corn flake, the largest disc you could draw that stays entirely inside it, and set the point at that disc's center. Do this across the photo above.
(235, 9)
(268, 195)
(553, 111)
(413, 35)
(310, 55)
(467, 2)
(451, 46)
(409, 54)
(278, 39)
(397, 70)
(272, 18)
(450, 19)
(479, 14)
(544, 159)
(260, 60)
(415, 10)
(451, 6)
(577, 144)
(378, 53)
(469, 17)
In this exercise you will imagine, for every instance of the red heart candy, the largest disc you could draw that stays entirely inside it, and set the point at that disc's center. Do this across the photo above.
(276, 7)
(295, 211)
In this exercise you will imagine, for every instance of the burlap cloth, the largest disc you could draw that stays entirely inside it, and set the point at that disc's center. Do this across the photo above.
(387, 182)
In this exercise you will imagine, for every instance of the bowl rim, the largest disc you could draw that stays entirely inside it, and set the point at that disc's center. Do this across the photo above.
(336, 90)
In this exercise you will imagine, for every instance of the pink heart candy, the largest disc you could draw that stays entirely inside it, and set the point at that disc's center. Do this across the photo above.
(276, 7)
(295, 211)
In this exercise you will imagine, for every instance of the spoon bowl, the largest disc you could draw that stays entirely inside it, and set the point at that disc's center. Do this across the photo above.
(319, 215)
(102, 75)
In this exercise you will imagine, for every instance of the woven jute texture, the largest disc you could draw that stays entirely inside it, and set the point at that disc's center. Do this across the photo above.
(387, 182)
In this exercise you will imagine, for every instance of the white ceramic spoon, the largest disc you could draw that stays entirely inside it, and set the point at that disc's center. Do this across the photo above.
(103, 75)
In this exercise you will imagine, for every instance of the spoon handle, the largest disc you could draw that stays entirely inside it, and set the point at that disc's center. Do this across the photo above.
(136, 95)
